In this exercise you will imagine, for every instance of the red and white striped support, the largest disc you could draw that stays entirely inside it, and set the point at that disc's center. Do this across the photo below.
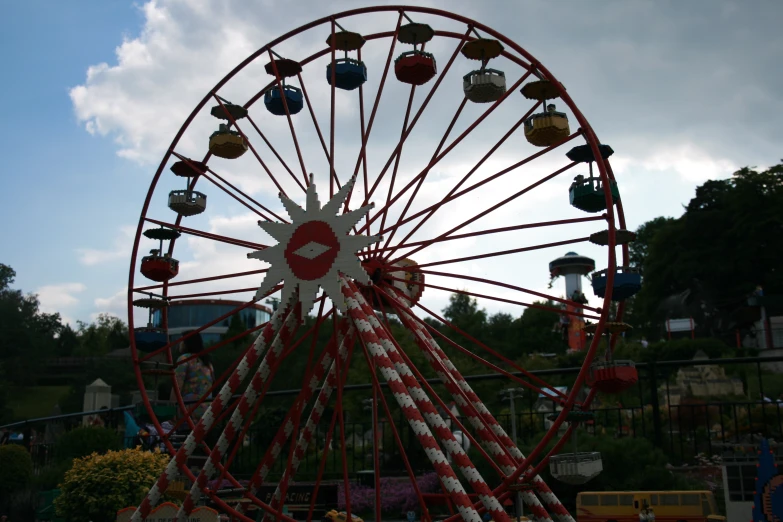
(306, 436)
(234, 425)
(213, 412)
(428, 410)
(440, 357)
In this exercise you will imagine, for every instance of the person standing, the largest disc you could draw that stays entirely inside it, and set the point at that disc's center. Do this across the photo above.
(194, 372)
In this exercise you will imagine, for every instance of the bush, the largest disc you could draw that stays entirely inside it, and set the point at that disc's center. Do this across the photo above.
(17, 469)
(97, 486)
(84, 441)
(17, 473)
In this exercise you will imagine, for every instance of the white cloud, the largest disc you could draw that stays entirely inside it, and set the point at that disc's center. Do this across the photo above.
(643, 107)
(60, 299)
(120, 250)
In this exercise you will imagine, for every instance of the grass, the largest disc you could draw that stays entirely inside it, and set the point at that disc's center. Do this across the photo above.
(35, 401)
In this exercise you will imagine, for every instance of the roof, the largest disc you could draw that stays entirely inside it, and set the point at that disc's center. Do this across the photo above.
(561, 389)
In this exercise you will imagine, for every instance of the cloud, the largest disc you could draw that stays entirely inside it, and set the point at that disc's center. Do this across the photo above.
(60, 299)
(120, 250)
(669, 89)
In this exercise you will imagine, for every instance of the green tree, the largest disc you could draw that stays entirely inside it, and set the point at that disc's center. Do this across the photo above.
(723, 246)
(27, 335)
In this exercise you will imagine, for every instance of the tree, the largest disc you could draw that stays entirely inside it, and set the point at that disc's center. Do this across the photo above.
(714, 255)
(106, 334)
(27, 335)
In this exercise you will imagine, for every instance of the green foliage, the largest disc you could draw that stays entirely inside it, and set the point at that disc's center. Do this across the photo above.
(97, 486)
(107, 333)
(84, 441)
(724, 245)
(17, 469)
(26, 333)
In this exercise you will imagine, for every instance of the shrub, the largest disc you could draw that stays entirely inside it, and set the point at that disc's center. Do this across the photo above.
(97, 486)
(84, 441)
(17, 469)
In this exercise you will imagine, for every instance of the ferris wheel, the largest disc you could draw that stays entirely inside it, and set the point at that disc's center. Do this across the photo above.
(360, 236)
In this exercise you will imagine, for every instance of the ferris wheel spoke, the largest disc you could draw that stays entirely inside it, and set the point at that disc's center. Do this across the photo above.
(197, 331)
(397, 305)
(398, 154)
(279, 87)
(252, 148)
(462, 136)
(433, 208)
(181, 297)
(452, 196)
(513, 287)
(601, 217)
(503, 252)
(407, 129)
(492, 209)
(145, 289)
(224, 181)
(502, 299)
(362, 158)
(318, 129)
(332, 87)
(415, 192)
(208, 235)
(277, 155)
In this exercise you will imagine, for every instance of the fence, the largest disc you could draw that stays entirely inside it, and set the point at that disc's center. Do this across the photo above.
(659, 408)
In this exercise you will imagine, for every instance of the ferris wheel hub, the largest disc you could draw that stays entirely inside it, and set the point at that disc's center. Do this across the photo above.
(314, 249)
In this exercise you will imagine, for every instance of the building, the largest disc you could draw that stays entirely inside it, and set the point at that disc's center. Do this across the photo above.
(701, 381)
(194, 313)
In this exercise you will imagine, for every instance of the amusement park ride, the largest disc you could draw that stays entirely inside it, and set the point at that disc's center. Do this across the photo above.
(341, 243)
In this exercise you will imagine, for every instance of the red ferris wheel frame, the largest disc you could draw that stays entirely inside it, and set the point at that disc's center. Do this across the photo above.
(526, 61)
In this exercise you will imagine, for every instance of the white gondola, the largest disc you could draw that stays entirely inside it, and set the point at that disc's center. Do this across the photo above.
(576, 468)
(187, 202)
(484, 86)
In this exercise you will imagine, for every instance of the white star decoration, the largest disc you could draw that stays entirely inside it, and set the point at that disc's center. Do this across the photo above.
(314, 249)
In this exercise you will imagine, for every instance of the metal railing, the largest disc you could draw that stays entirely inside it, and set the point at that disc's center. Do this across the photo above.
(651, 409)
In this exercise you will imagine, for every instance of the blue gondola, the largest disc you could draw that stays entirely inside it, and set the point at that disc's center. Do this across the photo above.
(150, 339)
(349, 73)
(627, 282)
(293, 98)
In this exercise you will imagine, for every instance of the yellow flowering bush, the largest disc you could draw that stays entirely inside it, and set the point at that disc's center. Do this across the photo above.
(97, 486)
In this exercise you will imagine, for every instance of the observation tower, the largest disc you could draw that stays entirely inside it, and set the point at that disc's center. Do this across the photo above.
(573, 267)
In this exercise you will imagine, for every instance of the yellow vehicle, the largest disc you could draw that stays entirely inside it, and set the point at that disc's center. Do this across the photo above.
(625, 506)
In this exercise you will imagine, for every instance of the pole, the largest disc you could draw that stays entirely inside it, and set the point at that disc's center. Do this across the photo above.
(514, 436)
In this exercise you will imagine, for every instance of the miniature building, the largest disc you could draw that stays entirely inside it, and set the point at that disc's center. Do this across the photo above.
(700, 381)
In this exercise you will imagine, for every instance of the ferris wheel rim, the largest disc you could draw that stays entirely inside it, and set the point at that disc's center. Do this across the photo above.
(588, 134)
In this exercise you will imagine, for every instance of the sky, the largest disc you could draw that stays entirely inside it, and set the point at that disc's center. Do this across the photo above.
(96, 91)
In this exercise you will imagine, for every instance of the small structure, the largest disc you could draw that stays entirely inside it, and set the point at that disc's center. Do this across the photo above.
(573, 267)
(349, 73)
(97, 396)
(545, 129)
(577, 467)
(608, 375)
(708, 380)
(415, 67)
(282, 97)
(159, 266)
(627, 283)
(483, 85)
